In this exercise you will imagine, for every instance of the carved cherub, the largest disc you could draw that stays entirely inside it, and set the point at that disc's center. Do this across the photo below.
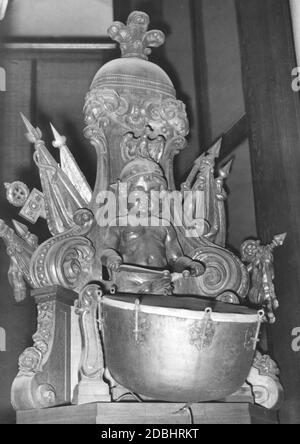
(260, 260)
(20, 249)
(151, 246)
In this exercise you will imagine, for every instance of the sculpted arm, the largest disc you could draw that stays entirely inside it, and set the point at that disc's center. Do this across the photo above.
(110, 256)
(176, 258)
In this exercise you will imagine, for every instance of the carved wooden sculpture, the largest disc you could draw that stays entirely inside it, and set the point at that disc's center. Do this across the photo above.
(200, 349)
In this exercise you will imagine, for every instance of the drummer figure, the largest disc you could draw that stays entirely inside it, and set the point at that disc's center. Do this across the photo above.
(150, 253)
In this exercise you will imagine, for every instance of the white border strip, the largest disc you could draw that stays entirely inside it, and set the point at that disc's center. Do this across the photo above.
(60, 46)
(182, 313)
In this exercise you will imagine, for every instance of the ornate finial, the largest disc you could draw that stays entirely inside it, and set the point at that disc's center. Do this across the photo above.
(3, 8)
(225, 170)
(34, 135)
(70, 167)
(215, 149)
(134, 38)
(17, 193)
(21, 229)
(279, 240)
(24, 233)
(32, 203)
(59, 140)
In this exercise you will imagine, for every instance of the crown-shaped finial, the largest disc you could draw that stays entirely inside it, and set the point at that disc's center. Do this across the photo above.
(134, 39)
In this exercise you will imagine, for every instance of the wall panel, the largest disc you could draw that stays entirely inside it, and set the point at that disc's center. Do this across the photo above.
(15, 163)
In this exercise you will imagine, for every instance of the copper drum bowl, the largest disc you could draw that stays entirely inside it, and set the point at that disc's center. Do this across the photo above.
(178, 349)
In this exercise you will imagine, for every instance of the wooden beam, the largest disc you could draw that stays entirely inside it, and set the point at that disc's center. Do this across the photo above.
(273, 109)
(233, 138)
(150, 413)
(200, 73)
(121, 8)
(30, 46)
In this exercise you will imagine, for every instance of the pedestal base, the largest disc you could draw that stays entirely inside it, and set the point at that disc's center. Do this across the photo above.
(150, 413)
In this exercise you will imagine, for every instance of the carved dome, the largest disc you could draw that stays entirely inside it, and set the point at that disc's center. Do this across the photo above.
(133, 70)
(133, 73)
(132, 101)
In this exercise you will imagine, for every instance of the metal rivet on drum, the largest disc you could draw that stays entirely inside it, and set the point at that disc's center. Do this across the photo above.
(113, 289)
(261, 315)
(202, 332)
(136, 319)
(207, 326)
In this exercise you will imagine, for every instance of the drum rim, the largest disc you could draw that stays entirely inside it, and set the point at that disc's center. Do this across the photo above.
(183, 313)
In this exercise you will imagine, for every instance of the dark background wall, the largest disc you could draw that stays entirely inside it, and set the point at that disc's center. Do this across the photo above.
(273, 109)
(225, 106)
(201, 55)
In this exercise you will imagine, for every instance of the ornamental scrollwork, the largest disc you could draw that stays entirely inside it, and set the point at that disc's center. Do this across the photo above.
(224, 272)
(261, 269)
(202, 332)
(134, 39)
(90, 295)
(65, 259)
(33, 358)
(30, 361)
(265, 382)
(266, 366)
(88, 309)
(132, 147)
(166, 117)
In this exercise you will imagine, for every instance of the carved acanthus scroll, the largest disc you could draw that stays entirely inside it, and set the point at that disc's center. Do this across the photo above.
(37, 385)
(33, 359)
(65, 259)
(91, 387)
(264, 380)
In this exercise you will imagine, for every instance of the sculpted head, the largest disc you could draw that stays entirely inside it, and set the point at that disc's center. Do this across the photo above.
(143, 177)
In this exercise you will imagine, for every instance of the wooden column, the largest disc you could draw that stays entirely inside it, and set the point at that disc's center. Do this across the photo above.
(274, 119)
